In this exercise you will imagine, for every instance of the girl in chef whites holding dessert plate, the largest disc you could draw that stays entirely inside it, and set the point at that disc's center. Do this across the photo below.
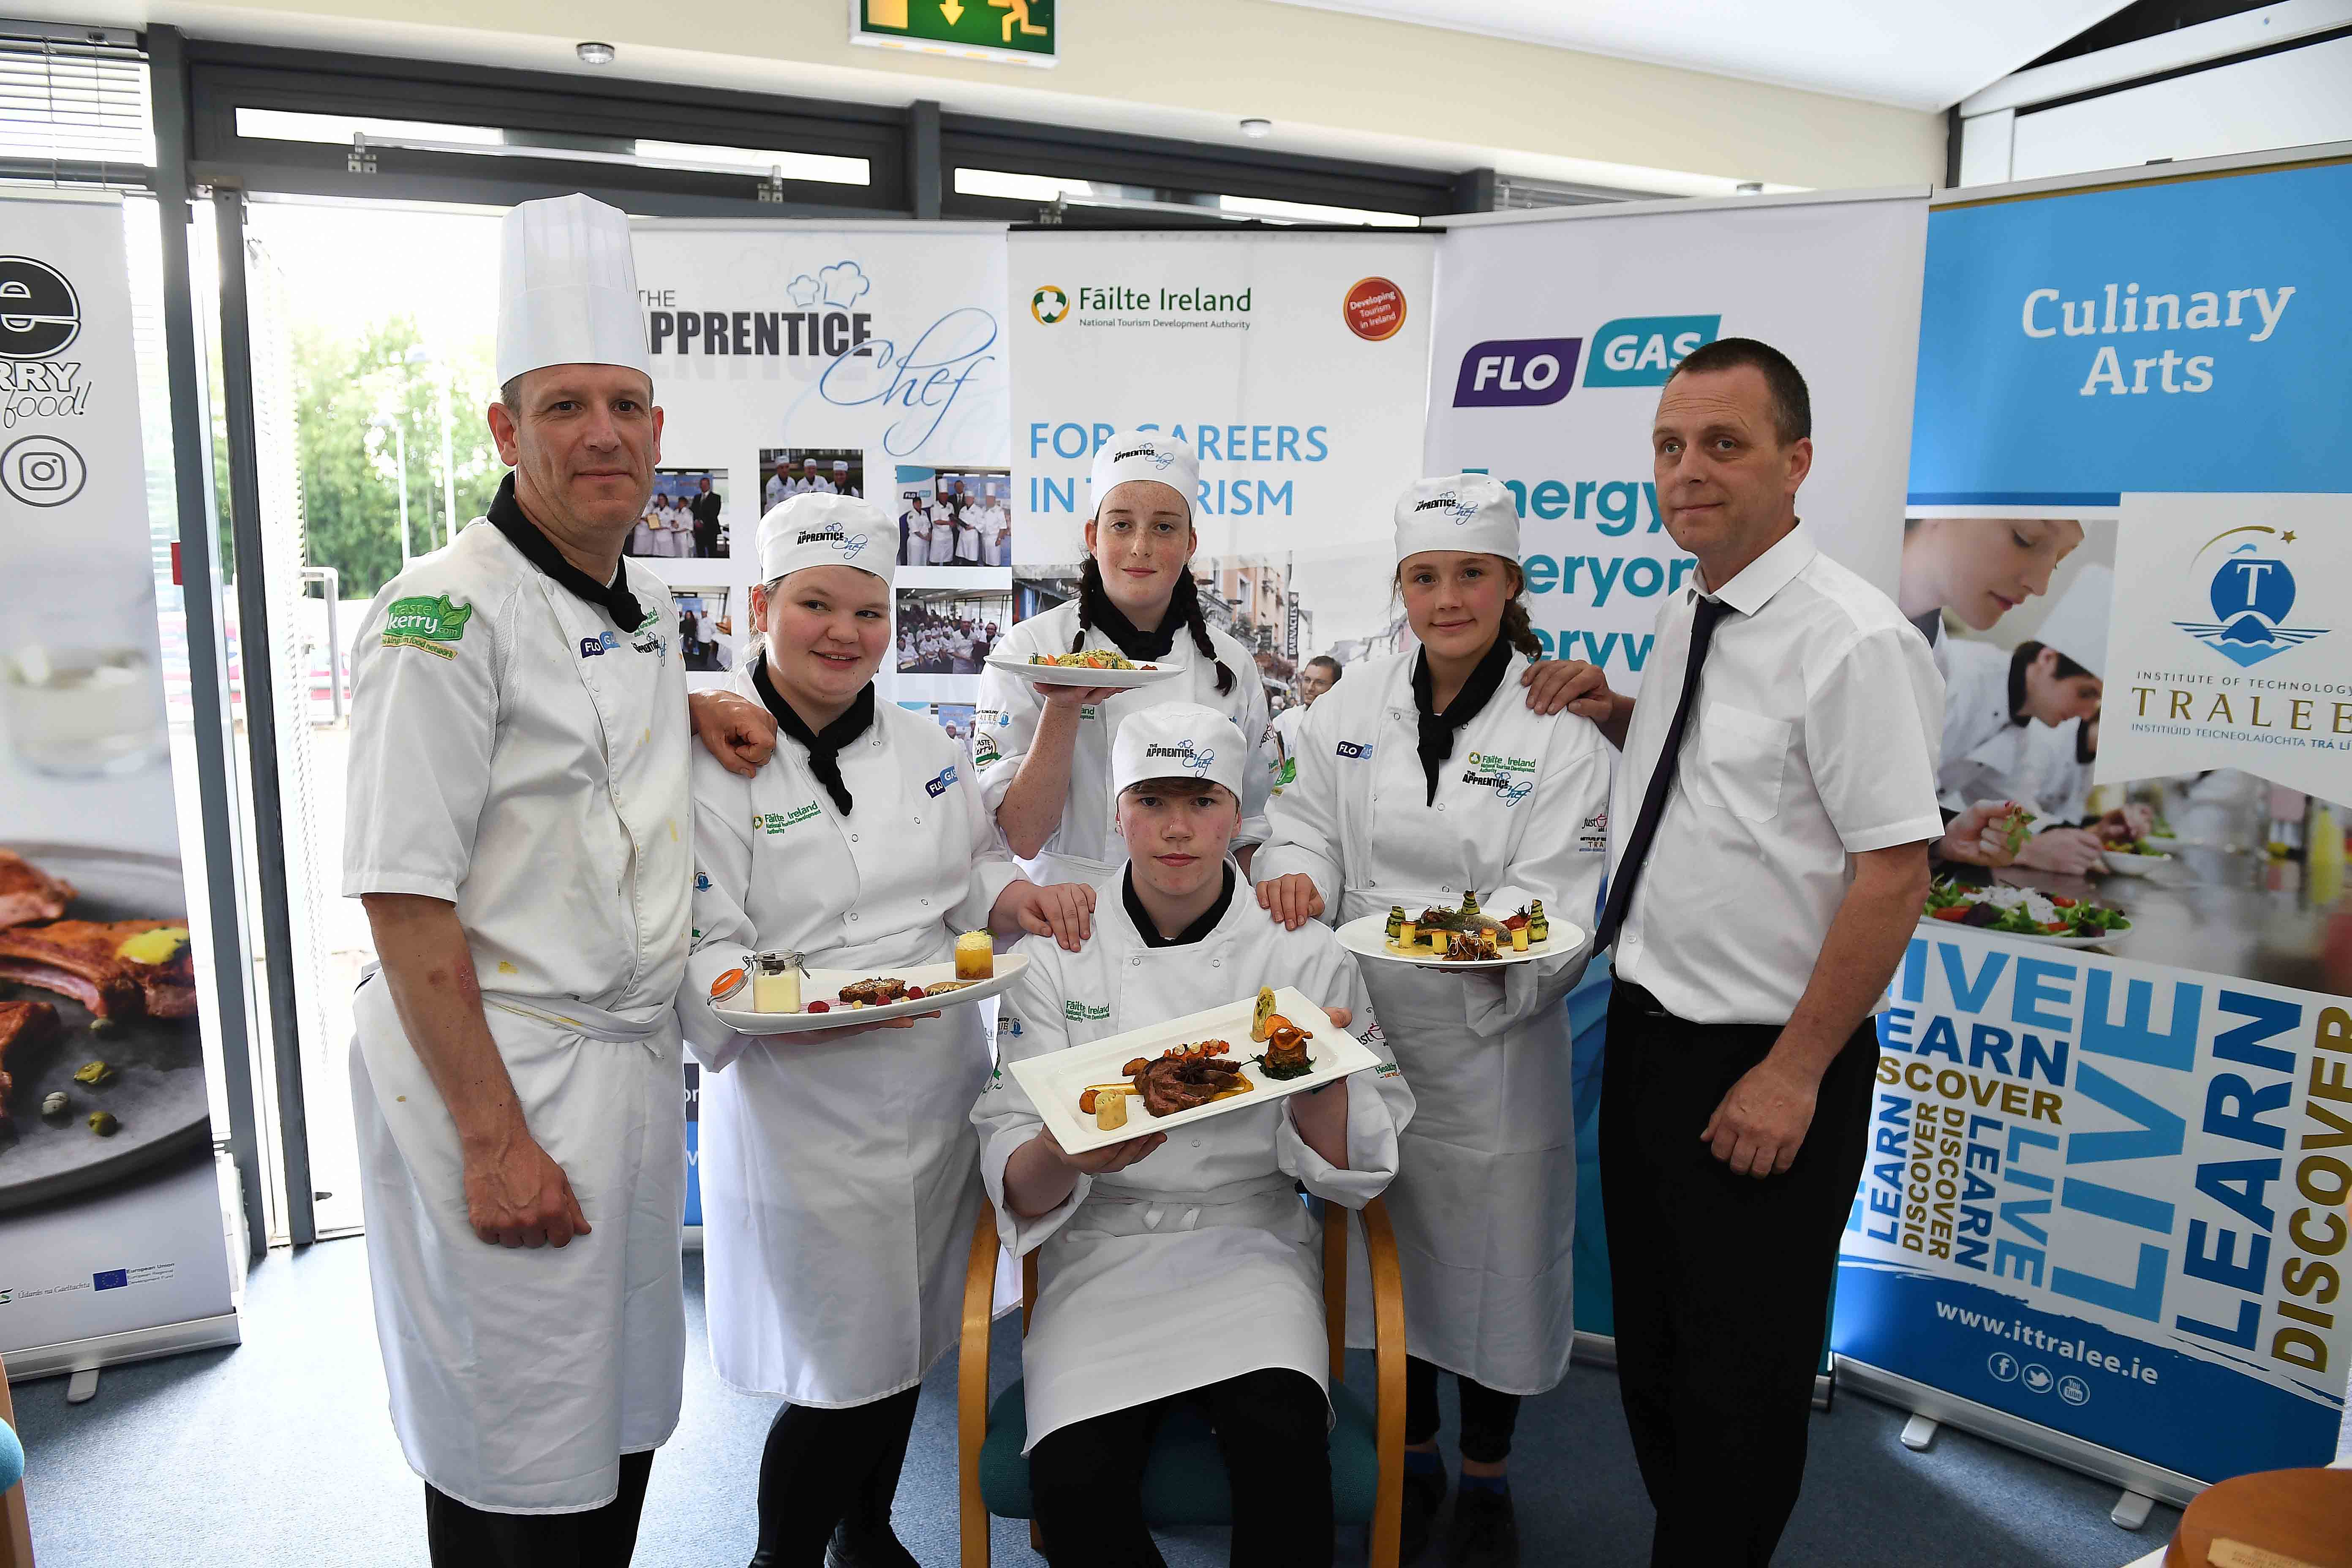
(839, 1173)
(1420, 779)
(1181, 1265)
(1043, 751)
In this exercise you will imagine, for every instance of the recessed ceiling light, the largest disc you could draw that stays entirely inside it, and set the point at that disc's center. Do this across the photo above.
(1258, 127)
(1750, 187)
(593, 54)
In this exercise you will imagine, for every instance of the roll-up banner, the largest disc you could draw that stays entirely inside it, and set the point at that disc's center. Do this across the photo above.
(111, 1239)
(1294, 365)
(870, 360)
(1553, 336)
(2105, 1209)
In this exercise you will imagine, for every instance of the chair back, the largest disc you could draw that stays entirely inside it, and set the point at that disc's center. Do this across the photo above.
(15, 1523)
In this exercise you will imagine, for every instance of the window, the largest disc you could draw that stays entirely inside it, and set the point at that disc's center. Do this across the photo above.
(1050, 188)
(68, 104)
(430, 136)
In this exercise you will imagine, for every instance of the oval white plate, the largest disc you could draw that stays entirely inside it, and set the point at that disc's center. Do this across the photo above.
(2134, 864)
(824, 985)
(1071, 674)
(1368, 937)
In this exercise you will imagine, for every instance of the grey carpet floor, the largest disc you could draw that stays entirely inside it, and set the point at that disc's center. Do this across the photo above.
(280, 1452)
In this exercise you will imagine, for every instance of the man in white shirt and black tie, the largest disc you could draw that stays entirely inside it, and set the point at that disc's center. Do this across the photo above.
(1769, 831)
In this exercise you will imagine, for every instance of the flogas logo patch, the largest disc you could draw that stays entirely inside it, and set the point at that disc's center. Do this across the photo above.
(599, 645)
(2251, 593)
(1516, 373)
(1643, 351)
(939, 786)
(1355, 751)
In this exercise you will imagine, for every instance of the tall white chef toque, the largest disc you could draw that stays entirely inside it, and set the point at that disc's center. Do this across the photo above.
(568, 288)
(1178, 740)
(2076, 625)
(1147, 455)
(1472, 512)
(814, 529)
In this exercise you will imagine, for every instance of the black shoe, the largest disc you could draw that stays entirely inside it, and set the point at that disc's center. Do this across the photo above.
(1485, 1533)
(1424, 1492)
(867, 1548)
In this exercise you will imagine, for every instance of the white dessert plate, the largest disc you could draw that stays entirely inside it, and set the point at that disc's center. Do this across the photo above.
(1074, 675)
(1054, 1080)
(824, 985)
(1369, 938)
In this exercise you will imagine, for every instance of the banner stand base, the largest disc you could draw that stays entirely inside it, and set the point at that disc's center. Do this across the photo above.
(84, 1357)
(2140, 1480)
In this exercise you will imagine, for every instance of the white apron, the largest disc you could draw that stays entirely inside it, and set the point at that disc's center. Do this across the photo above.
(540, 787)
(1197, 1263)
(839, 1182)
(1484, 1204)
(1086, 846)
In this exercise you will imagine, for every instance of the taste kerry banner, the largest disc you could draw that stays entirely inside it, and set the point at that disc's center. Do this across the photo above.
(1554, 335)
(1294, 365)
(2107, 1180)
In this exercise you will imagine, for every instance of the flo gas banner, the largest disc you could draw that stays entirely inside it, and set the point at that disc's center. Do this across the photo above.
(110, 1214)
(867, 360)
(1554, 335)
(1294, 365)
(2108, 1198)
(2116, 1119)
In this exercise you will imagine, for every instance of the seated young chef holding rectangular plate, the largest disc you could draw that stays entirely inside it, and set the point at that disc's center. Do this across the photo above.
(1179, 1264)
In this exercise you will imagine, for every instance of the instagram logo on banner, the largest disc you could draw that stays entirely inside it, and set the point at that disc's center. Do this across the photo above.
(42, 470)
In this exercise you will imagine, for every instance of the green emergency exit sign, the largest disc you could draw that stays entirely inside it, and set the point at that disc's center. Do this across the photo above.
(1019, 31)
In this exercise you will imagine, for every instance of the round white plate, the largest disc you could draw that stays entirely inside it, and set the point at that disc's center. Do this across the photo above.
(1368, 937)
(2127, 865)
(1071, 674)
(824, 985)
(2105, 938)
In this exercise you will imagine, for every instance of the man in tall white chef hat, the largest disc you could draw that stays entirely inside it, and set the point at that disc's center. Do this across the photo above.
(519, 835)
(2008, 712)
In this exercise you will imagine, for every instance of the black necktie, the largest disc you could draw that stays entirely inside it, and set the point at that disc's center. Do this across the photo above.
(1662, 778)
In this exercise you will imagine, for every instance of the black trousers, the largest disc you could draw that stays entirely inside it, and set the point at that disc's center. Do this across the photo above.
(1086, 1480)
(1721, 1281)
(460, 1536)
(1489, 1415)
(822, 1466)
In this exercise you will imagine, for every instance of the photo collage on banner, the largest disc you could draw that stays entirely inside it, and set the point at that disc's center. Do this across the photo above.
(1292, 363)
(110, 1204)
(831, 362)
(1552, 341)
(2114, 1139)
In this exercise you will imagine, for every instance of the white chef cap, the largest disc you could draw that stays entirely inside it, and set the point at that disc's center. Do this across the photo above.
(568, 288)
(840, 465)
(1178, 740)
(818, 529)
(2076, 625)
(1470, 512)
(1147, 455)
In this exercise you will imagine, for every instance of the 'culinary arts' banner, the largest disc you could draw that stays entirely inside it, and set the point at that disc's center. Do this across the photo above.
(1553, 337)
(1292, 363)
(111, 1244)
(2108, 1177)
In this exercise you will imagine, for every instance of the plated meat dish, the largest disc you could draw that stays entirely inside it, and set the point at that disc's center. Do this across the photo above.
(1184, 1077)
(117, 969)
(24, 1027)
(29, 893)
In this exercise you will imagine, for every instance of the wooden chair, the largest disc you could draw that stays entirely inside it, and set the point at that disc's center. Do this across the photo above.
(15, 1527)
(1186, 1482)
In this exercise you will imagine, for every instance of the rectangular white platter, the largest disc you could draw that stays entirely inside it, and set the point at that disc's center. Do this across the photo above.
(824, 985)
(1368, 937)
(1053, 1081)
(1073, 675)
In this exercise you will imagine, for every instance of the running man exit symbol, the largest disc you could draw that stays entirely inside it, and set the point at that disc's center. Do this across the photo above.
(1014, 31)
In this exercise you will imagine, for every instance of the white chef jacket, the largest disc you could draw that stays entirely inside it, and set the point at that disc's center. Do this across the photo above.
(992, 535)
(2057, 781)
(839, 1182)
(1815, 738)
(527, 764)
(942, 536)
(915, 537)
(1197, 1263)
(773, 492)
(968, 543)
(1485, 1204)
(1087, 844)
(1985, 751)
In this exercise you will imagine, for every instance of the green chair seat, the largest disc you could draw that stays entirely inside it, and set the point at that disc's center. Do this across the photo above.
(1184, 1482)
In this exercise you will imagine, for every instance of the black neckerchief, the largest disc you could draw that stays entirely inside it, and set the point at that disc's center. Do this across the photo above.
(1931, 626)
(2018, 716)
(823, 746)
(1108, 618)
(2084, 753)
(1436, 741)
(506, 515)
(1149, 929)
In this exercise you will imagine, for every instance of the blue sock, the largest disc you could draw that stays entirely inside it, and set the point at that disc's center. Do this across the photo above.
(1423, 1462)
(1499, 1485)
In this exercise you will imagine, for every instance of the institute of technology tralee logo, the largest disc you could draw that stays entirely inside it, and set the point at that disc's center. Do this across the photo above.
(2251, 592)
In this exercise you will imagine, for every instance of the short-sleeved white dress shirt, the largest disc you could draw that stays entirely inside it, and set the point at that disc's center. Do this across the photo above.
(1819, 721)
